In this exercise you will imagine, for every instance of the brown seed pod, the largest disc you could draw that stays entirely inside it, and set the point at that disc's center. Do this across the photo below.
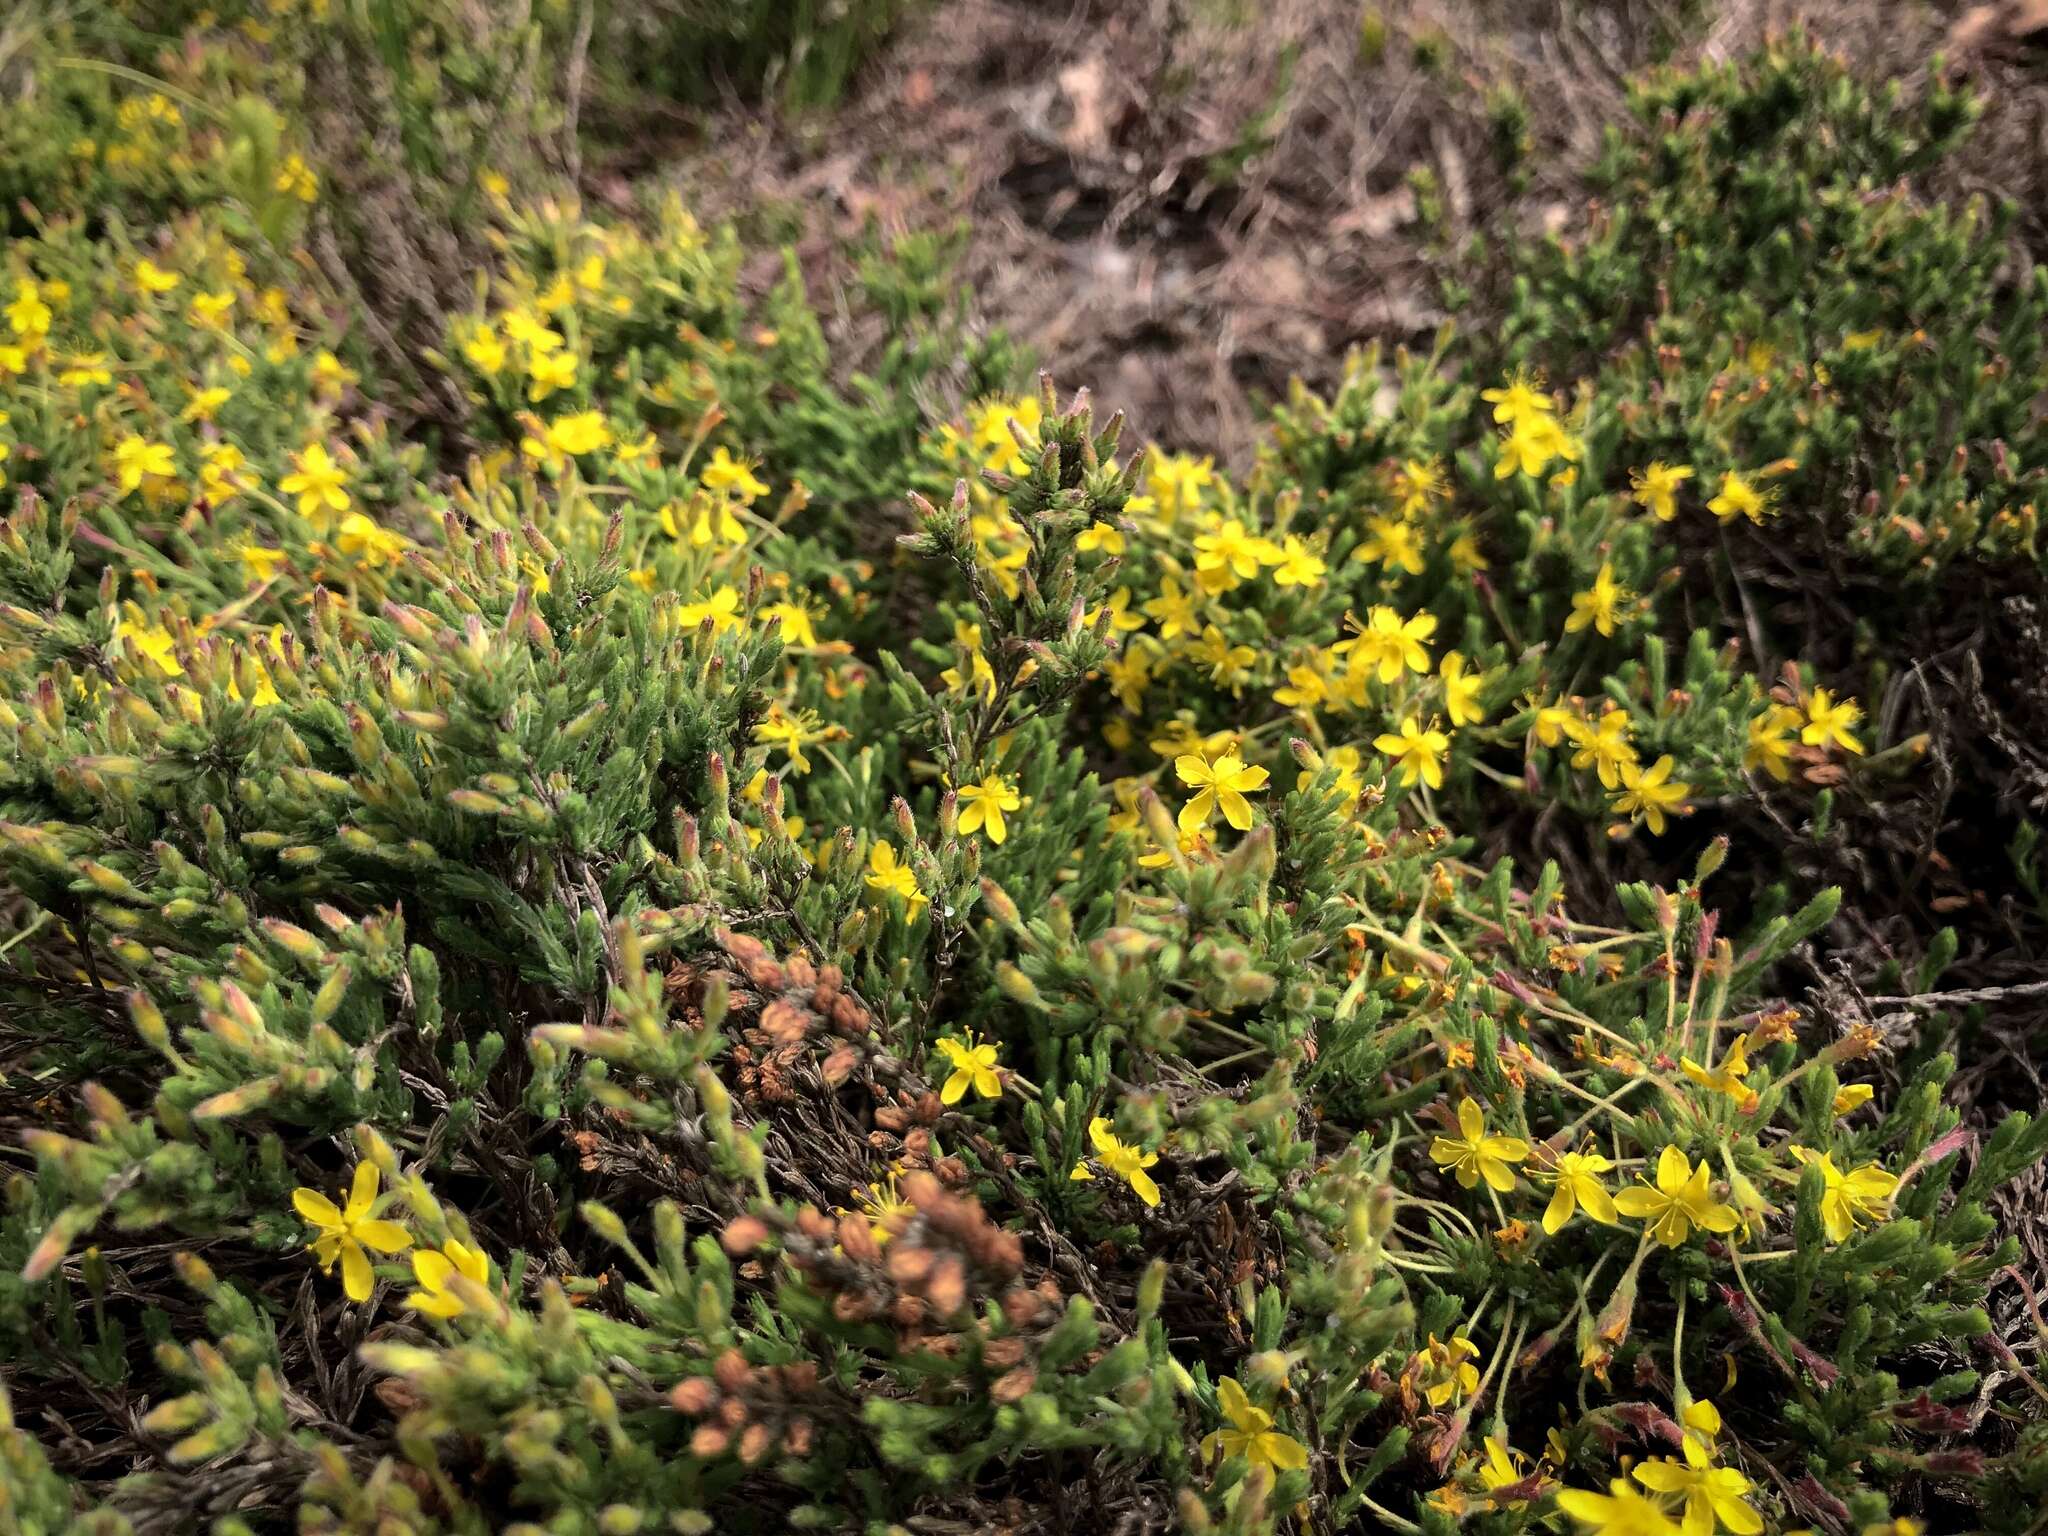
(694, 1395)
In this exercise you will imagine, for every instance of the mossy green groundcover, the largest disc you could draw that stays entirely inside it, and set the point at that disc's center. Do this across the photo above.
(612, 923)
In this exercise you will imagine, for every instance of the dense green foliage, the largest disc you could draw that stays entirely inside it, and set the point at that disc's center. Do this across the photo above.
(620, 923)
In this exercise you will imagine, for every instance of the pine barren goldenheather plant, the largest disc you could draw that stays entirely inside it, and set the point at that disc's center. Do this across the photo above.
(582, 988)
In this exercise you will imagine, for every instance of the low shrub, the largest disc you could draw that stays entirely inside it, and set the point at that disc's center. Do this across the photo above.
(603, 982)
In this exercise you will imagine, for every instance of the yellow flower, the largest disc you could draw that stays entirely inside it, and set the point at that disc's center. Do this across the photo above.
(1175, 481)
(261, 561)
(974, 1066)
(1531, 444)
(1219, 782)
(1299, 566)
(1418, 751)
(992, 434)
(208, 310)
(1461, 692)
(1769, 746)
(795, 620)
(1391, 644)
(1391, 542)
(345, 1231)
(1232, 548)
(368, 542)
(982, 806)
(136, 459)
(1503, 1467)
(1251, 1433)
(1679, 1201)
(1101, 538)
(296, 179)
(1651, 792)
(1450, 1370)
(1465, 555)
(204, 403)
(888, 874)
(1579, 1188)
(980, 676)
(317, 483)
(1304, 689)
(219, 474)
(721, 608)
(485, 351)
(1620, 1512)
(1473, 1155)
(1174, 610)
(547, 372)
(1727, 1077)
(1862, 1194)
(1710, 1493)
(1227, 663)
(1656, 489)
(156, 643)
(1595, 608)
(579, 433)
(725, 473)
(1851, 1097)
(90, 368)
(1603, 747)
(1121, 1159)
(28, 314)
(793, 732)
(436, 1270)
(882, 1204)
(1738, 498)
(1417, 483)
(1521, 399)
(1829, 723)
(151, 278)
(1550, 723)
(530, 333)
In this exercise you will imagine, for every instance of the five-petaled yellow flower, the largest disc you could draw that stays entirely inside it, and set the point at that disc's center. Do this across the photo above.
(1651, 792)
(1474, 1155)
(974, 1066)
(1680, 1200)
(345, 1231)
(1121, 1159)
(1619, 1512)
(982, 806)
(1727, 1077)
(1738, 498)
(1579, 1188)
(1520, 399)
(889, 874)
(1851, 1097)
(1598, 606)
(1251, 1433)
(725, 473)
(435, 1270)
(1450, 1371)
(1831, 723)
(137, 459)
(1770, 741)
(1709, 1493)
(1461, 691)
(1390, 644)
(1862, 1194)
(1221, 781)
(317, 483)
(1417, 750)
(1655, 489)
